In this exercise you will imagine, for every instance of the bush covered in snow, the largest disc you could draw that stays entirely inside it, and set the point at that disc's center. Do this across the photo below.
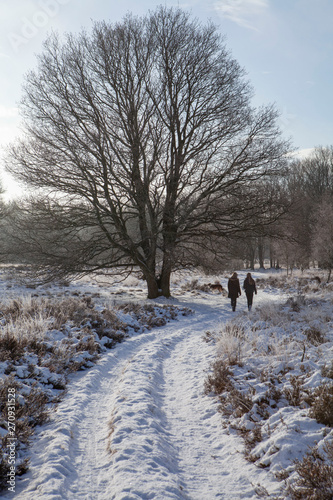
(275, 388)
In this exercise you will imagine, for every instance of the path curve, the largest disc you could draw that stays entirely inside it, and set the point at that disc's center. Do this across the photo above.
(137, 426)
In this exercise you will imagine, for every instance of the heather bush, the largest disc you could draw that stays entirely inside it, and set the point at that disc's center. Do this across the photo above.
(251, 439)
(322, 405)
(219, 380)
(32, 408)
(232, 400)
(327, 371)
(235, 402)
(293, 392)
(315, 475)
(315, 336)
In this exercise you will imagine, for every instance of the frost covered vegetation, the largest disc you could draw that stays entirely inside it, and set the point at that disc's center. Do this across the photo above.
(265, 376)
(45, 338)
(273, 376)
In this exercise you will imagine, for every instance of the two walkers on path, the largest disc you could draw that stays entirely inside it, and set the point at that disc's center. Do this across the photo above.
(234, 290)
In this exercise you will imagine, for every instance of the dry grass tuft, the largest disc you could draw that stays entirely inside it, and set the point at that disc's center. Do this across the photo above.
(230, 343)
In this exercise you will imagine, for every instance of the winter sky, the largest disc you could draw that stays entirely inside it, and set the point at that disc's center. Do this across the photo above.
(286, 47)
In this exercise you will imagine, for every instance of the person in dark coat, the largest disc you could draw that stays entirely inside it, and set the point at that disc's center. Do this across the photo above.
(250, 288)
(234, 290)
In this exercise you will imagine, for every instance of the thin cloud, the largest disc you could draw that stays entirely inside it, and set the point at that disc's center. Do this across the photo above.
(242, 12)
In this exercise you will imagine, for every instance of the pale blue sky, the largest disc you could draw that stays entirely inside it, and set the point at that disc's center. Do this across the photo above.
(286, 47)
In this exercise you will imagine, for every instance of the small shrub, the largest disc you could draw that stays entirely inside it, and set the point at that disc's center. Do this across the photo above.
(76, 311)
(315, 336)
(219, 380)
(234, 330)
(34, 411)
(113, 322)
(208, 337)
(251, 439)
(273, 392)
(11, 348)
(327, 371)
(294, 394)
(295, 303)
(235, 403)
(315, 481)
(269, 314)
(322, 405)
(282, 475)
(230, 343)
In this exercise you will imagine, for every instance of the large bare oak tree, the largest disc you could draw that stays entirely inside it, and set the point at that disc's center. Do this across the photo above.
(141, 141)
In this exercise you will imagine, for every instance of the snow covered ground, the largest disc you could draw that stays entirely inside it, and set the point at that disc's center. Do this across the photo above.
(139, 424)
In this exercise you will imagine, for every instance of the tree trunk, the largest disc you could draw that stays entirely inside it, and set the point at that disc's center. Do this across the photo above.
(152, 286)
(271, 255)
(261, 254)
(158, 287)
(166, 275)
(165, 283)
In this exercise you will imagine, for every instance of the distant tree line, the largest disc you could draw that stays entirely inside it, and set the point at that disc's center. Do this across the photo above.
(303, 235)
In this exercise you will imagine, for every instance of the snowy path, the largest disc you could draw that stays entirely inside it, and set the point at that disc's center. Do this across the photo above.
(137, 426)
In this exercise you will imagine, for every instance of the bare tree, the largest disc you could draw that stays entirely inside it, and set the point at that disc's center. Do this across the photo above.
(4, 212)
(308, 184)
(140, 137)
(318, 173)
(322, 237)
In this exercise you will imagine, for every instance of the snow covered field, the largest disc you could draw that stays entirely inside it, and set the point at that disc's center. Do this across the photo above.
(146, 420)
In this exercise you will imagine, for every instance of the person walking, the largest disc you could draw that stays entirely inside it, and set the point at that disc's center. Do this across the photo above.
(234, 290)
(250, 288)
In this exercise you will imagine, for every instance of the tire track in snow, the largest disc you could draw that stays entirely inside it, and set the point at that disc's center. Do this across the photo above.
(193, 424)
(145, 459)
